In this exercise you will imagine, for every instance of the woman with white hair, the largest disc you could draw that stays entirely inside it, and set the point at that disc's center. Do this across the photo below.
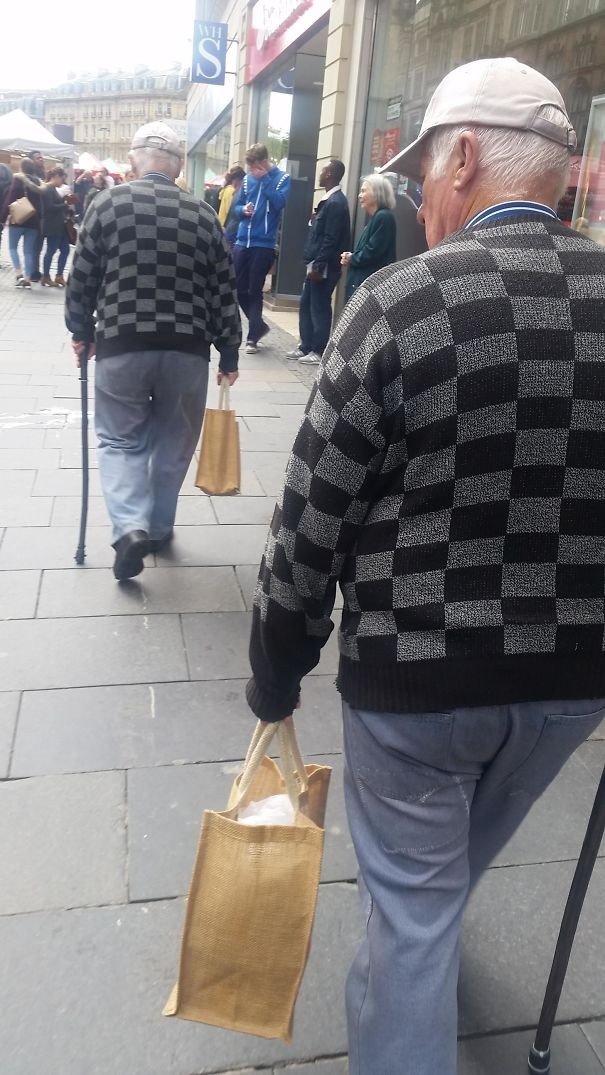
(377, 245)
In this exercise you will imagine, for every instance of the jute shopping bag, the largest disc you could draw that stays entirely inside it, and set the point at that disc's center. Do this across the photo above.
(252, 898)
(218, 470)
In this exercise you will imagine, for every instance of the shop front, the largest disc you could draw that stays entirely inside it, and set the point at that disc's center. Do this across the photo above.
(416, 42)
(286, 56)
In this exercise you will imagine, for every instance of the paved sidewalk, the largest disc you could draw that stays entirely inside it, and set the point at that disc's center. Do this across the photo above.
(122, 717)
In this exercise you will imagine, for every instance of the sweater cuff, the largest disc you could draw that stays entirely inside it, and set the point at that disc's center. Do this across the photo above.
(229, 358)
(269, 705)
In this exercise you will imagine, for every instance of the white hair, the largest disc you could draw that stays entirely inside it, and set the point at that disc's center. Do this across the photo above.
(515, 161)
(382, 190)
(150, 159)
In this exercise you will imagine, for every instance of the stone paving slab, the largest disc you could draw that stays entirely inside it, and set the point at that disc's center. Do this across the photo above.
(25, 511)
(320, 1067)
(62, 842)
(175, 589)
(16, 484)
(39, 654)
(9, 707)
(110, 971)
(123, 727)
(54, 547)
(191, 511)
(165, 807)
(592, 756)
(217, 647)
(595, 1033)
(64, 483)
(17, 459)
(207, 546)
(244, 510)
(19, 594)
(509, 934)
(22, 438)
(15, 404)
(506, 1054)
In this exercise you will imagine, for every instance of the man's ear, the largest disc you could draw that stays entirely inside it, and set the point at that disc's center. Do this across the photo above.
(465, 159)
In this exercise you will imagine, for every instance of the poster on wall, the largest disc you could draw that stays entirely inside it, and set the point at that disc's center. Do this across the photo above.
(391, 144)
(376, 148)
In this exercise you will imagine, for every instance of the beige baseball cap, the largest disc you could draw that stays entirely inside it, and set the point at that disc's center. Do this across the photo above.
(489, 93)
(157, 136)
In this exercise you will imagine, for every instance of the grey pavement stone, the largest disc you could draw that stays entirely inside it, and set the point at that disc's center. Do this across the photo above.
(338, 1066)
(39, 654)
(595, 1033)
(244, 509)
(64, 483)
(269, 440)
(165, 807)
(18, 594)
(9, 707)
(26, 391)
(113, 968)
(62, 842)
(207, 546)
(174, 589)
(14, 378)
(217, 647)
(15, 405)
(54, 547)
(569, 798)
(16, 484)
(25, 511)
(247, 574)
(509, 935)
(600, 732)
(592, 756)
(70, 458)
(21, 438)
(123, 727)
(506, 1054)
(191, 511)
(28, 458)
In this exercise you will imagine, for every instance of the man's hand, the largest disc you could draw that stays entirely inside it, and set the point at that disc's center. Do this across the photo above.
(230, 377)
(346, 257)
(82, 350)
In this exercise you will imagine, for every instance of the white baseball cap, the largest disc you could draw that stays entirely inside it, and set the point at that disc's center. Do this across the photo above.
(489, 93)
(157, 136)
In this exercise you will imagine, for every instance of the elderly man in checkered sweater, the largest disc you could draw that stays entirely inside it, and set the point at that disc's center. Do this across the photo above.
(151, 288)
(449, 475)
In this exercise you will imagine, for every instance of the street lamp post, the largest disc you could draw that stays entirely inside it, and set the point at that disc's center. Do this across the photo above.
(103, 131)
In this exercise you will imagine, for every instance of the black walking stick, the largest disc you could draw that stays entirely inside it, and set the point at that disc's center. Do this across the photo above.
(539, 1056)
(80, 551)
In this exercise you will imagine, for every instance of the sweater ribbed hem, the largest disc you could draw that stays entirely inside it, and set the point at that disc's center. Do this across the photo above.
(268, 705)
(430, 686)
(152, 341)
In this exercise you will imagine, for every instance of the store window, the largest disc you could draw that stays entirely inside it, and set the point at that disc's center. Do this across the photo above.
(416, 44)
(275, 113)
(589, 209)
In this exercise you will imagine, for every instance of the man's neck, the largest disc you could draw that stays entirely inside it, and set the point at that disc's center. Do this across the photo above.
(485, 199)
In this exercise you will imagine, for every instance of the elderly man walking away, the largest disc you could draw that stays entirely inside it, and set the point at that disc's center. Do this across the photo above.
(257, 208)
(450, 476)
(152, 262)
(329, 236)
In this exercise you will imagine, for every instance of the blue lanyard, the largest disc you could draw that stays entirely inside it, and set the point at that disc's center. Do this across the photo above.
(506, 209)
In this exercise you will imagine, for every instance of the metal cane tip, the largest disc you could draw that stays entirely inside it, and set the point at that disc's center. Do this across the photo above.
(538, 1062)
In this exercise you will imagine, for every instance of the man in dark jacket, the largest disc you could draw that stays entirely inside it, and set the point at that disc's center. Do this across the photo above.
(6, 178)
(153, 263)
(329, 235)
(449, 475)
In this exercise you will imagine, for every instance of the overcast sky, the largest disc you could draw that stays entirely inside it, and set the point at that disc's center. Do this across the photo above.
(84, 37)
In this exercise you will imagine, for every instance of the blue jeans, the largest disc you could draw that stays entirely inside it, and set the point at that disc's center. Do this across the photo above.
(56, 243)
(149, 407)
(315, 313)
(431, 799)
(29, 236)
(251, 267)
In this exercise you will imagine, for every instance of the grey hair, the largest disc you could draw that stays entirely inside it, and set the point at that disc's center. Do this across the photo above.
(150, 159)
(513, 160)
(382, 190)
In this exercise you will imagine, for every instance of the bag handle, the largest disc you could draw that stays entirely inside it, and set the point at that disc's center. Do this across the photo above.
(224, 402)
(292, 764)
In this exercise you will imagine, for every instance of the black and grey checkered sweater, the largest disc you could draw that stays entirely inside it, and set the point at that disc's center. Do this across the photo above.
(153, 263)
(450, 475)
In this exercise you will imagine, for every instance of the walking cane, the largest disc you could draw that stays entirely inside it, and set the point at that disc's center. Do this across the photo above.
(539, 1057)
(80, 551)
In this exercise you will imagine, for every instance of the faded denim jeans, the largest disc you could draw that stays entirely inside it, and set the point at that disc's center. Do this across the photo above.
(149, 407)
(431, 799)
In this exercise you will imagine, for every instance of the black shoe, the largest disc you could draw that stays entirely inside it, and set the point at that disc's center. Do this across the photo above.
(156, 544)
(131, 549)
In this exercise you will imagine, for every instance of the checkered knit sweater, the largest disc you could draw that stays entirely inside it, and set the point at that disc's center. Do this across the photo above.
(152, 262)
(449, 474)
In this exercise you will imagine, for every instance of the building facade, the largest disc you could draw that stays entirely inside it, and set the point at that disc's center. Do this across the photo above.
(105, 110)
(29, 101)
(351, 79)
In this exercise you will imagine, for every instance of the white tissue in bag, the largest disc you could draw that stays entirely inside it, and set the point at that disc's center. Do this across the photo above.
(275, 810)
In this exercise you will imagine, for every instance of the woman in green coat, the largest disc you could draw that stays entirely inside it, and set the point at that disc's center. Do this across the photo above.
(377, 245)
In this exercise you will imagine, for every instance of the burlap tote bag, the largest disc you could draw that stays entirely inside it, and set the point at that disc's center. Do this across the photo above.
(218, 470)
(252, 898)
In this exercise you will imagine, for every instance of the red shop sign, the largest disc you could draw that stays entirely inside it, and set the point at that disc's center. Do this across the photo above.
(391, 144)
(275, 25)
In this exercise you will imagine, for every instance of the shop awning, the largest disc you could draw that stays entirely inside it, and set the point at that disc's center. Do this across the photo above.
(19, 133)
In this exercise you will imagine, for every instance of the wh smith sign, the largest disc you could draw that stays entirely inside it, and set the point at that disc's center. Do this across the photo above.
(209, 62)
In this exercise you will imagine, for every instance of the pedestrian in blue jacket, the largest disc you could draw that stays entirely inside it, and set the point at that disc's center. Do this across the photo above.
(258, 208)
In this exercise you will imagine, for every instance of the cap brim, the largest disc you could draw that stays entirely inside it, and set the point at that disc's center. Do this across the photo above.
(408, 161)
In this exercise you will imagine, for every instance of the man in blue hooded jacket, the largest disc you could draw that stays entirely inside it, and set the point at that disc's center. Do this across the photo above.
(258, 208)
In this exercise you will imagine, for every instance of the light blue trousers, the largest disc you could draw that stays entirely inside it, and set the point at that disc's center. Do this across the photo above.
(431, 799)
(149, 407)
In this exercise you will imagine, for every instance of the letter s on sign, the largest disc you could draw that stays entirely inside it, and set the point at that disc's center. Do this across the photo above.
(210, 65)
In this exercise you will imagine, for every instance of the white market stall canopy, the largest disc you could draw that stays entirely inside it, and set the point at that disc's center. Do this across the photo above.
(20, 133)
